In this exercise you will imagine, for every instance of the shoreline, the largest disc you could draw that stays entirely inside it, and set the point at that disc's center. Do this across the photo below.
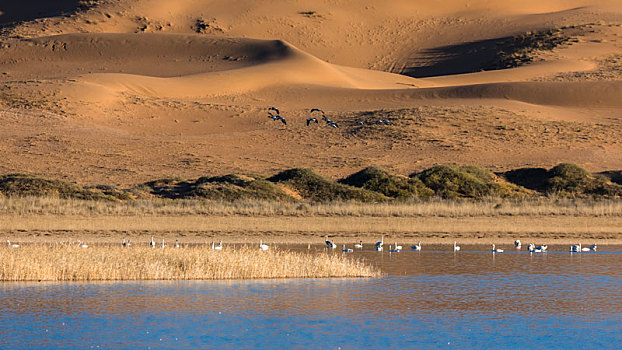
(312, 230)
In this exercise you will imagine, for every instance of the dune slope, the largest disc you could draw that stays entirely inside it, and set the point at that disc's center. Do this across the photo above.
(131, 90)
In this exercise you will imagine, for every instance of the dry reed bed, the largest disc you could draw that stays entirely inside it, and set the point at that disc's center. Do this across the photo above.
(71, 263)
(433, 208)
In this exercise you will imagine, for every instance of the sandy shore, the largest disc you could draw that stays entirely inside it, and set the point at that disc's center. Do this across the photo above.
(311, 230)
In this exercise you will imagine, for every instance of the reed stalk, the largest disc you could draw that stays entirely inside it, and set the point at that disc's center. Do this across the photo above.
(58, 262)
(193, 207)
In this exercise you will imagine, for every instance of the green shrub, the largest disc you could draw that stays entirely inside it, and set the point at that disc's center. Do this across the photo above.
(237, 187)
(22, 185)
(229, 187)
(394, 186)
(312, 186)
(568, 179)
(453, 181)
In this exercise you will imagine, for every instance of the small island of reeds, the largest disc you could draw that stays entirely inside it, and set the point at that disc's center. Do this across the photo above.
(112, 263)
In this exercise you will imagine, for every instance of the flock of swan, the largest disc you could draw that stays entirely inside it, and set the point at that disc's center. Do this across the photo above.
(379, 246)
(531, 248)
(315, 115)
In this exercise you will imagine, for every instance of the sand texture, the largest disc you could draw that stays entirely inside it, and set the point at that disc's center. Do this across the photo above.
(120, 91)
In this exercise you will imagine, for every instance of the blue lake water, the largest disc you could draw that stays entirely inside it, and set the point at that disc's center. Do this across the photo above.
(430, 299)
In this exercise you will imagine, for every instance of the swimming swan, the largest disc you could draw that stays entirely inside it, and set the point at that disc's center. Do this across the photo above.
(496, 250)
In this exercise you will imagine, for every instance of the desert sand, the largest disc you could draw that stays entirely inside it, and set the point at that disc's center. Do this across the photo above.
(124, 91)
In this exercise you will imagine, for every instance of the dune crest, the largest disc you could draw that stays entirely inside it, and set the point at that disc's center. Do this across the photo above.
(292, 67)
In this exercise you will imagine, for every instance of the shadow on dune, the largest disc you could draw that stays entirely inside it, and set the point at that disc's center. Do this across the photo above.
(475, 56)
(14, 11)
(455, 59)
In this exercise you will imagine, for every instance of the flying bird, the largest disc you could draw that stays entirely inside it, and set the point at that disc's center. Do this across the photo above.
(278, 117)
(311, 120)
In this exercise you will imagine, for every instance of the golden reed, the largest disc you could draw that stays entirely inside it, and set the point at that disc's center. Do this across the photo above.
(193, 207)
(103, 263)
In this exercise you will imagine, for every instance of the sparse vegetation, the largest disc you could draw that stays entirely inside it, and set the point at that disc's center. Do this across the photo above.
(310, 14)
(314, 187)
(520, 49)
(394, 186)
(59, 262)
(370, 185)
(452, 181)
(227, 187)
(565, 180)
(28, 185)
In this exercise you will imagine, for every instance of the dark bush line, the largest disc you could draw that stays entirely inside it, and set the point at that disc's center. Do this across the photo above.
(371, 184)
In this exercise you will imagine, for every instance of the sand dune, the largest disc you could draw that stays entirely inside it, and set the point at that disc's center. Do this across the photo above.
(290, 67)
(132, 89)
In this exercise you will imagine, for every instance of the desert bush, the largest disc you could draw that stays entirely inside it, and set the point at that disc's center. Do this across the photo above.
(453, 181)
(237, 187)
(394, 186)
(21, 185)
(229, 187)
(314, 187)
(568, 179)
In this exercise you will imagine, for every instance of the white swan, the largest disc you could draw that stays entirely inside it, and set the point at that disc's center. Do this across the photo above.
(162, 245)
(585, 249)
(531, 247)
(218, 247)
(494, 250)
(380, 244)
(82, 245)
(416, 246)
(346, 250)
(176, 244)
(359, 245)
(575, 248)
(330, 244)
(397, 247)
(517, 244)
(456, 247)
(152, 243)
(393, 250)
(263, 246)
(14, 245)
(593, 247)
